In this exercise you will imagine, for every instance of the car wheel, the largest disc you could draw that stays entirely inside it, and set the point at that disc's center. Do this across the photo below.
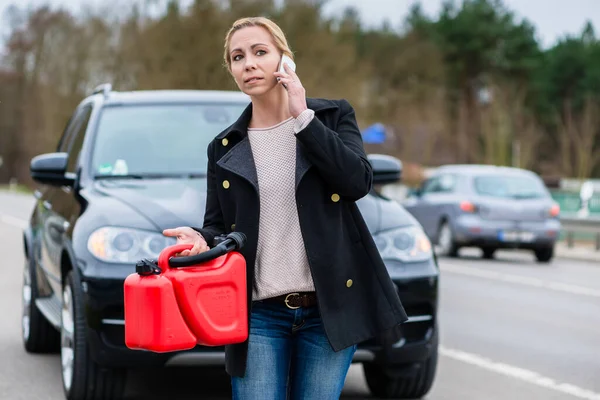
(414, 384)
(39, 336)
(446, 244)
(488, 252)
(82, 378)
(544, 254)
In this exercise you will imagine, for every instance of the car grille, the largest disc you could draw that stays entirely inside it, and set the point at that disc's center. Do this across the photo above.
(114, 335)
(418, 327)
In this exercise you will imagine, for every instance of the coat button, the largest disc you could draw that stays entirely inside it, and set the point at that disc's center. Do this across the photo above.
(226, 184)
(335, 197)
(225, 142)
(349, 283)
(233, 227)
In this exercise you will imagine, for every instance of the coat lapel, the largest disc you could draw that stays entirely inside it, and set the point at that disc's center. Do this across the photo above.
(240, 161)
(303, 164)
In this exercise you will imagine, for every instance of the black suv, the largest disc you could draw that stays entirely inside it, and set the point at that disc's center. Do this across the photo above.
(130, 164)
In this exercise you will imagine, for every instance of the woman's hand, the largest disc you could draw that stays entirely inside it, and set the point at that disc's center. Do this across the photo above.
(186, 235)
(296, 93)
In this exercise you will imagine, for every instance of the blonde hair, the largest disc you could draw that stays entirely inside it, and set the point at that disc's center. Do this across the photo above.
(270, 26)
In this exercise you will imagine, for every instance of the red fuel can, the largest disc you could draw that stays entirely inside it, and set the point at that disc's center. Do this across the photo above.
(200, 301)
(211, 296)
(152, 317)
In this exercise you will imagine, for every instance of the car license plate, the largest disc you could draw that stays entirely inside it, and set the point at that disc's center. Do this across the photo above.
(516, 236)
(527, 236)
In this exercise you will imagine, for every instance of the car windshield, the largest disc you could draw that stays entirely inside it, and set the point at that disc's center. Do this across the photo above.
(150, 141)
(510, 186)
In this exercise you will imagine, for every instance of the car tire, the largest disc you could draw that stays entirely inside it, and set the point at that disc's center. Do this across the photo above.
(445, 240)
(415, 384)
(544, 254)
(39, 335)
(488, 252)
(82, 378)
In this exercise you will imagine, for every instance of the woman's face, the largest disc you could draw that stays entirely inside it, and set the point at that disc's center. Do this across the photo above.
(254, 59)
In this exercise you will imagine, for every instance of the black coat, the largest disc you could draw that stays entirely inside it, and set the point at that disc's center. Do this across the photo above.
(357, 298)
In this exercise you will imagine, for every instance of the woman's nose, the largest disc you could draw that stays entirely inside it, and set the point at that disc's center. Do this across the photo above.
(250, 63)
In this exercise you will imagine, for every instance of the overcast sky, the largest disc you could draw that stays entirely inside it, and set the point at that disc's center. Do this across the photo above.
(552, 18)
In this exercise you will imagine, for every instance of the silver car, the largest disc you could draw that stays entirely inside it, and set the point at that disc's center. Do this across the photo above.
(487, 207)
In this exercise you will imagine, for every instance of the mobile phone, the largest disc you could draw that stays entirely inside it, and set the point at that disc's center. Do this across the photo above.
(288, 61)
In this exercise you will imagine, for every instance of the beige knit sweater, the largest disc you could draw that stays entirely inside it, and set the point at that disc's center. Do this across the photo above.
(281, 263)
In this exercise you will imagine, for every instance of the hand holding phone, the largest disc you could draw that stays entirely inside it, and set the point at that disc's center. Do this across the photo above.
(286, 76)
(290, 63)
(287, 60)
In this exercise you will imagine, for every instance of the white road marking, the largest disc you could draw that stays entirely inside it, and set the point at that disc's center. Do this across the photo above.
(13, 221)
(519, 373)
(522, 280)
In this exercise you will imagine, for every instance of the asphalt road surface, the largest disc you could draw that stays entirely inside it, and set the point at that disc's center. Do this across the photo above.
(510, 329)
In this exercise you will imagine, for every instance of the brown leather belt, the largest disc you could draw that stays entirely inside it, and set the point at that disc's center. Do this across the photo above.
(295, 300)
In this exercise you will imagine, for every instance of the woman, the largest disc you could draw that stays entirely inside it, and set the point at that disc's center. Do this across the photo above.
(287, 173)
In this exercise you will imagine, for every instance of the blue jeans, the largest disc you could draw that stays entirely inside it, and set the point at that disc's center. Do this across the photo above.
(289, 356)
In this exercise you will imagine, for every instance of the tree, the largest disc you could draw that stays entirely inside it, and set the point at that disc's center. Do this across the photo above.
(427, 82)
(510, 133)
(569, 90)
(579, 139)
(480, 41)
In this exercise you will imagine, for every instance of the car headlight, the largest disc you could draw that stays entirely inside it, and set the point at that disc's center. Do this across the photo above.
(126, 245)
(408, 244)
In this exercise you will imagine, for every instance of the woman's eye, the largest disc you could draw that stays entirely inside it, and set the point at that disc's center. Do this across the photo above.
(237, 57)
(261, 52)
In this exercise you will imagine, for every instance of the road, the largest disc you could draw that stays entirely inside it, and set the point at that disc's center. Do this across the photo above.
(511, 329)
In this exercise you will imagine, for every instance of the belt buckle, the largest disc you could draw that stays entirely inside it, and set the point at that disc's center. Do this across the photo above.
(287, 300)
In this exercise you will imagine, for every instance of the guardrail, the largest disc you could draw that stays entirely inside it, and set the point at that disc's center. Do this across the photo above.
(570, 202)
(573, 225)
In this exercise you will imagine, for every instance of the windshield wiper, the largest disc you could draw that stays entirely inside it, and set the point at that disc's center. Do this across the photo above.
(150, 176)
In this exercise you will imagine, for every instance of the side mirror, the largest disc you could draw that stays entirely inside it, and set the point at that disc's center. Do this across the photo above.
(386, 169)
(51, 169)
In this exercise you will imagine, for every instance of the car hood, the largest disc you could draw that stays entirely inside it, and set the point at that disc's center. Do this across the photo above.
(165, 203)
(382, 214)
